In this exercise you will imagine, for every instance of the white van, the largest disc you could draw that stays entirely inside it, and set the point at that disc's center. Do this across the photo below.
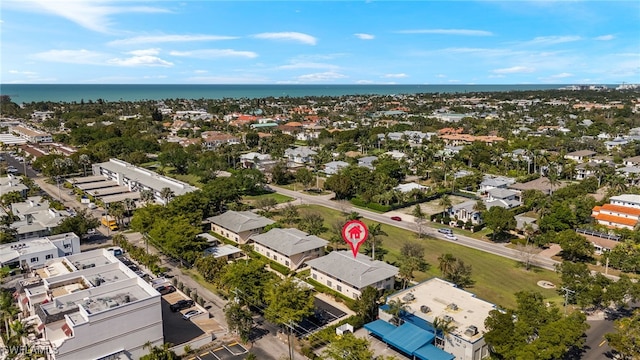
(91, 206)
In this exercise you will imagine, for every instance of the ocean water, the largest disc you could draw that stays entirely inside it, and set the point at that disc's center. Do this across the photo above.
(26, 93)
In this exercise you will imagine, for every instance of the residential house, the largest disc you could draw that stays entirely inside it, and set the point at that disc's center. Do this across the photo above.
(504, 198)
(541, 184)
(11, 183)
(32, 253)
(616, 143)
(622, 212)
(348, 275)
(465, 212)
(299, 156)
(523, 222)
(289, 247)
(253, 160)
(334, 167)
(632, 161)
(214, 139)
(35, 218)
(413, 332)
(631, 173)
(238, 226)
(580, 155)
(32, 135)
(367, 162)
(494, 182)
(409, 187)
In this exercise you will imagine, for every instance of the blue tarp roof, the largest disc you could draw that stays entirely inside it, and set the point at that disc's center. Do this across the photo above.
(430, 352)
(379, 327)
(408, 338)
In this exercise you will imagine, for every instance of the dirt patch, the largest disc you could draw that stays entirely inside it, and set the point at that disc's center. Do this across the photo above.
(546, 284)
(433, 206)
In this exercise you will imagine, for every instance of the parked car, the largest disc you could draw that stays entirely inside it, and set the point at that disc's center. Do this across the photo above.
(12, 170)
(182, 304)
(396, 218)
(450, 237)
(445, 231)
(164, 290)
(191, 313)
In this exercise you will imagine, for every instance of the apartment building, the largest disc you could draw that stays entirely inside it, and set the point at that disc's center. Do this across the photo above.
(138, 179)
(340, 271)
(34, 253)
(289, 247)
(622, 212)
(414, 334)
(238, 226)
(32, 135)
(90, 306)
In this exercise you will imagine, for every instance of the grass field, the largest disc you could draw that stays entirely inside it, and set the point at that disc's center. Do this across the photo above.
(497, 279)
(278, 197)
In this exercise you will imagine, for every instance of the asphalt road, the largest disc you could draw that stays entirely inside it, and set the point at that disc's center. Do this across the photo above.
(21, 166)
(409, 224)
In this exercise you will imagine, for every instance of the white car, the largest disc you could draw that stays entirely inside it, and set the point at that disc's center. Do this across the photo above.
(450, 236)
(191, 313)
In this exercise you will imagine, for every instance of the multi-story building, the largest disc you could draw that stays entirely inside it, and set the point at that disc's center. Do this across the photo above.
(413, 332)
(138, 179)
(91, 306)
(35, 218)
(238, 226)
(32, 135)
(622, 212)
(348, 275)
(33, 253)
(289, 247)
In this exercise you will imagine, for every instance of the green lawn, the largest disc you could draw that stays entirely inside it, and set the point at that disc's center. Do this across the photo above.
(278, 197)
(497, 279)
(188, 178)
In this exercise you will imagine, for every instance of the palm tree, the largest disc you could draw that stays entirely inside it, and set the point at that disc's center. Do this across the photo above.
(443, 329)
(19, 330)
(129, 205)
(446, 263)
(8, 308)
(84, 160)
(117, 211)
(166, 194)
(396, 308)
(553, 178)
(445, 202)
(147, 196)
(354, 215)
(375, 230)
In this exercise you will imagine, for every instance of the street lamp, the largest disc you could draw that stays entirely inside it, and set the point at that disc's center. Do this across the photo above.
(59, 193)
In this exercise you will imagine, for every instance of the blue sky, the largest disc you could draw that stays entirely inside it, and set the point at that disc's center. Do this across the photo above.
(319, 42)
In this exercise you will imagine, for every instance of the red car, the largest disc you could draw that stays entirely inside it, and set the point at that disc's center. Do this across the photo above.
(396, 218)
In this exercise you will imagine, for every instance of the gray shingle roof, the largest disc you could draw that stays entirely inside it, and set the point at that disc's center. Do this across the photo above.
(289, 241)
(239, 221)
(360, 272)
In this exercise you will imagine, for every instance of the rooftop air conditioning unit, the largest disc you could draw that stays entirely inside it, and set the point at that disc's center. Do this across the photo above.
(453, 306)
(471, 331)
(448, 318)
(424, 309)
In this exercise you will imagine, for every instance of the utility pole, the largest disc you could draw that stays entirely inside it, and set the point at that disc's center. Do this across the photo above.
(567, 291)
(291, 350)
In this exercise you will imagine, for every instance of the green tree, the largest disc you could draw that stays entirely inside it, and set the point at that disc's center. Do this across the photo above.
(210, 267)
(533, 330)
(279, 174)
(348, 346)
(239, 320)
(290, 213)
(287, 302)
(455, 270)
(373, 246)
(419, 218)
(11, 198)
(8, 308)
(305, 177)
(313, 223)
(248, 279)
(79, 224)
(626, 338)
(341, 185)
(499, 220)
(575, 247)
(366, 305)
(445, 202)
(159, 352)
(166, 194)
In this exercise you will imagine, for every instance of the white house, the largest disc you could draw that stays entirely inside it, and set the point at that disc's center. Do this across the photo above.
(91, 306)
(301, 155)
(238, 226)
(340, 271)
(367, 161)
(465, 212)
(334, 167)
(35, 218)
(33, 253)
(580, 155)
(289, 247)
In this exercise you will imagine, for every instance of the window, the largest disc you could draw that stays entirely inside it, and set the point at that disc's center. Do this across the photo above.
(338, 287)
(286, 263)
(34, 259)
(314, 276)
(66, 246)
(328, 283)
(48, 257)
(275, 256)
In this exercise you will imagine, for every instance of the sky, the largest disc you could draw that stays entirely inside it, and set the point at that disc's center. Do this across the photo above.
(319, 42)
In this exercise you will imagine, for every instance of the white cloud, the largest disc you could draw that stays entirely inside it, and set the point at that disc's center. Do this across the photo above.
(92, 15)
(464, 32)
(441, 76)
(561, 75)
(144, 60)
(552, 40)
(288, 36)
(243, 79)
(363, 36)
(145, 52)
(395, 76)
(18, 72)
(81, 56)
(513, 70)
(604, 37)
(364, 82)
(154, 39)
(214, 53)
(324, 76)
(307, 65)
(201, 71)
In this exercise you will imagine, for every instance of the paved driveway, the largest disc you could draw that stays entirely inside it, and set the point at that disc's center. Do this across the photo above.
(177, 330)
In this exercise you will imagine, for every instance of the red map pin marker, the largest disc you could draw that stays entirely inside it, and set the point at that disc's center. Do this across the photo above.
(355, 233)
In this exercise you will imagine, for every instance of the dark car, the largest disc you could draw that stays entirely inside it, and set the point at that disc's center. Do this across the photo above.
(445, 231)
(164, 290)
(182, 304)
(396, 218)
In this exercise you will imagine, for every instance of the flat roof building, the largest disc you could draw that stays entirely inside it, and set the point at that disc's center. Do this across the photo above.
(91, 306)
(430, 300)
(33, 253)
(138, 179)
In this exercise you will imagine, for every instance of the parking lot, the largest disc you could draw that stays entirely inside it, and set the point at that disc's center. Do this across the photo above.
(225, 352)
(324, 313)
(177, 330)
